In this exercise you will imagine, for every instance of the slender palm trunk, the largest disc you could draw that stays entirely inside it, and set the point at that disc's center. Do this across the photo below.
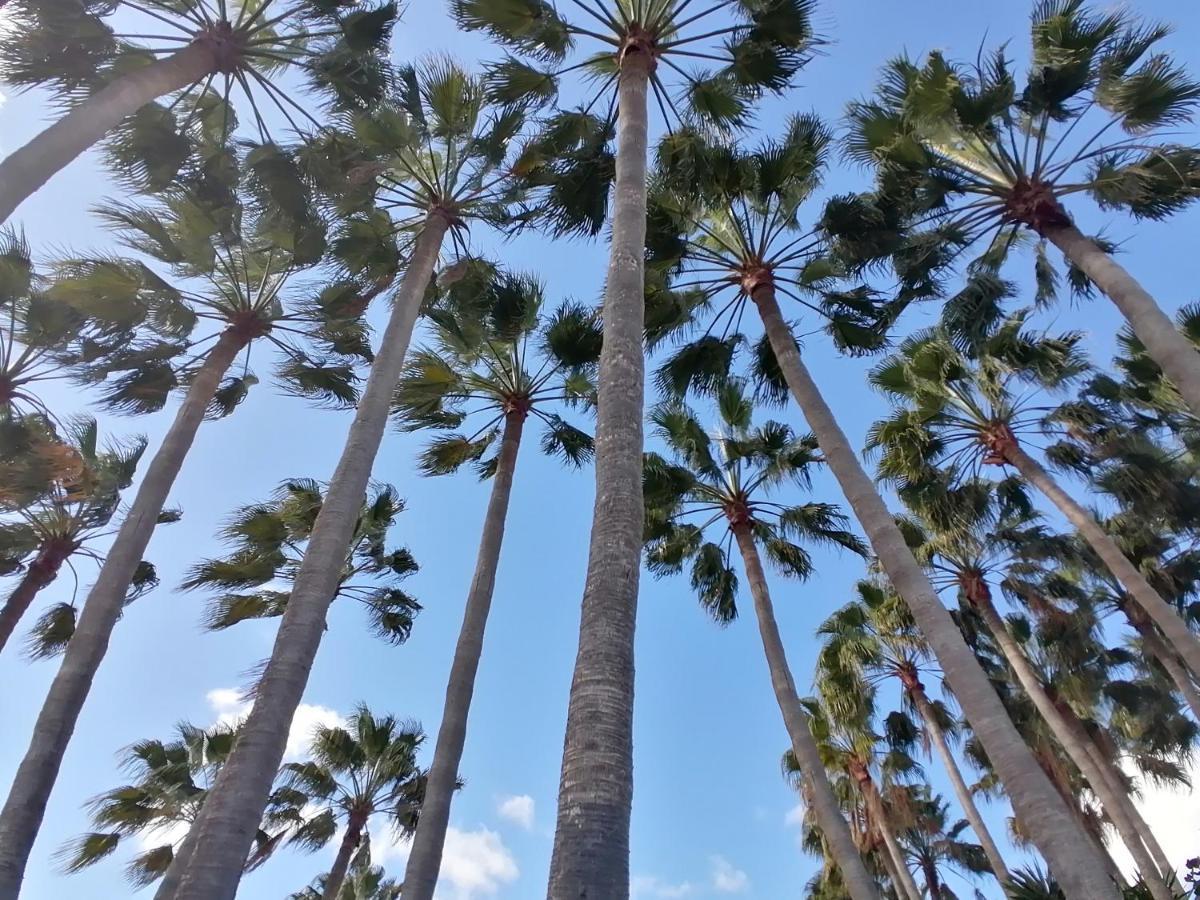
(341, 863)
(932, 882)
(595, 792)
(425, 858)
(1074, 741)
(1076, 864)
(25, 170)
(22, 814)
(961, 791)
(1186, 644)
(210, 867)
(40, 574)
(825, 806)
(1180, 677)
(1172, 351)
(889, 866)
(866, 786)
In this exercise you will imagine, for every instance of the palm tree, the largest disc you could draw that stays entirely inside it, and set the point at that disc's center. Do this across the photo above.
(171, 781)
(243, 290)
(962, 148)
(720, 244)
(363, 882)
(60, 524)
(483, 368)
(875, 638)
(930, 842)
(267, 542)
(724, 478)
(963, 412)
(66, 46)
(440, 113)
(367, 768)
(756, 47)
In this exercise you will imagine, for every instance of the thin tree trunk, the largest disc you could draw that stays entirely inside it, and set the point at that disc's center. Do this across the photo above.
(1186, 644)
(961, 791)
(932, 882)
(1166, 657)
(833, 825)
(889, 866)
(425, 858)
(1078, 867)
(210, 868)
(870, 793)
(1074, 741)
(1169, 348)
(22, 814)
(595, 793)
(40, 574)
(341, 863)
(28, 168)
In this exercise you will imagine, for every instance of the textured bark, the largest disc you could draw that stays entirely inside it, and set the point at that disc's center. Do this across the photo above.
(22, 814)
(341, 863)
(595, 794)
(212, 866)
(1078, 867)
(907, 884)
(828, 813)
(425, 858)
(40, 574)
(1176, 632)
(1172, 351)
(28, 168)
(961, 791)
(1075, 742)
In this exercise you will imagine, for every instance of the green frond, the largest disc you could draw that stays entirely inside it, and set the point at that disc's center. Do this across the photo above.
(87, 850)
(227, 610)
(701, 366)
(532, 27)
(446, 455)
(715, 583)
(51, 632)
(329, 385)
(563, 440)
(392, 614)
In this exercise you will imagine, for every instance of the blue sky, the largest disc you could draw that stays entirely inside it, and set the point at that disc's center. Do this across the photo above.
(711, 811)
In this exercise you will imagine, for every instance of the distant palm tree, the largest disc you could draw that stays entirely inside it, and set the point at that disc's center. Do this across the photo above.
(964, 149)
(930, 841)
(67, 47)
(363, 882)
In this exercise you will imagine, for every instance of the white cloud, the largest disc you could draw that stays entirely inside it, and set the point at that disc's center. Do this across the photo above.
(726, 878)
(518, 809)
(474, 863)
(230, 708)
(795, 816)
(653, 886)
(1172, 816)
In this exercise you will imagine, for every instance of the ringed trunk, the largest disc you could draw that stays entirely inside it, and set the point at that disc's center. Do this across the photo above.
(40, 574)
(425, 858)
(595, 793)
(825, 806)
(22, 814)
(866, 786)
(1078, 867)
(209, 869)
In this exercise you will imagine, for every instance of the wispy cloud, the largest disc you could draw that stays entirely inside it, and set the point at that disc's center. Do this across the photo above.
(727, 878)
(230, 708)
(517, 809)
(475, 864)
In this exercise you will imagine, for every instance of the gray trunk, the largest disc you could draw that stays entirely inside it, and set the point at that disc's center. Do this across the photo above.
(341, 863)
(1078, 867)
(907, 884)
(212, 865)
(425, 858)
(1172, 351)
(41, 573)
(595, 793)
(22, 814)
(25, 170)
(828, 813)
(1136, 587)
(961, 791)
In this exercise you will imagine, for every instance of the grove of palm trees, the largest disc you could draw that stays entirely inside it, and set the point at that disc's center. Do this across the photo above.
(382, 385)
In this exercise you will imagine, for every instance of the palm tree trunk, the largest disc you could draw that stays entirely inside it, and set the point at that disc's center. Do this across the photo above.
(595, 793)
(907, 884)
(1172, 351)
(210, 868)
(932, 882)
(1186, 644)
(961, 791)
(425, 858)
(1166, 657)
(1074, 741)
(341, 863)
(28, 168)
(22, 814)
(857, 879)
(1077, 866)
(41, 573)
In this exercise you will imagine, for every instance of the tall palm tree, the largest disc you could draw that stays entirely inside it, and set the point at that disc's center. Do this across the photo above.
(493, 370)
(363, 882)
(267, 543)
(440, 113)
(62, 522)
(964, 149)
(725, 479)
(718, 243)
(755, 47)
(966, 412)
(243, 290)
(68, 47)
(365, 769)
